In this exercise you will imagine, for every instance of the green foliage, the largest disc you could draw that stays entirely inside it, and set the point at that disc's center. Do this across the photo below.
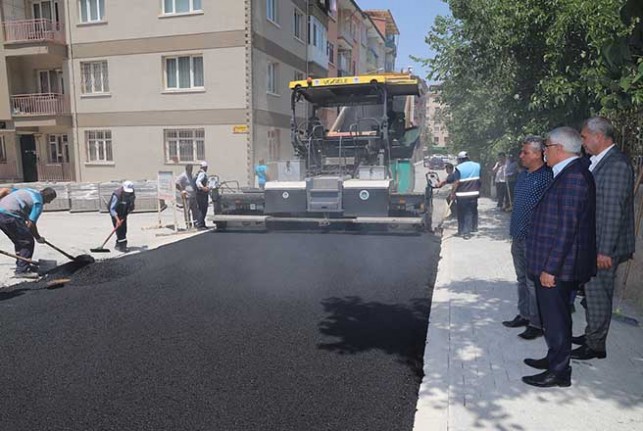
(514, 67)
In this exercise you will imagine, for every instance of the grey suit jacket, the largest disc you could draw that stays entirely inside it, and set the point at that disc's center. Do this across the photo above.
(614, 177)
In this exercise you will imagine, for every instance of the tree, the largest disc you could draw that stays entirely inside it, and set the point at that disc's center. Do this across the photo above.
(513, 67)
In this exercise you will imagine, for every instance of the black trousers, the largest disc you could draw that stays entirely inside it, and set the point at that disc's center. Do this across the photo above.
(121, 232)
(555, 313)
(501, 194)
(22, 239)
(202, 203)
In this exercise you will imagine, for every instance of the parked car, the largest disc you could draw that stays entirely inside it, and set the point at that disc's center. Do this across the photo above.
(434, 163)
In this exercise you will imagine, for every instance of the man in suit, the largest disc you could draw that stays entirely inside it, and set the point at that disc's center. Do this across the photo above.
(561, 251)
(615, 238)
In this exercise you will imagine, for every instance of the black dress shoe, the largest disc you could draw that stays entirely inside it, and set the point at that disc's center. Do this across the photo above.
(516, 323)
(531, 333)
(584, 352)
(579, 341)
(539, 364)
(547, 379)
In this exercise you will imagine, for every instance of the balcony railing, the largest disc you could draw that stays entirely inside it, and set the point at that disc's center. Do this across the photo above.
(33, 30)
(55, 171)
(28, 105)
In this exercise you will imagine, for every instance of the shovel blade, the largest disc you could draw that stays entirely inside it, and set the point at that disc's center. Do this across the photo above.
(85, 259)
(99, 250)
(46, 265)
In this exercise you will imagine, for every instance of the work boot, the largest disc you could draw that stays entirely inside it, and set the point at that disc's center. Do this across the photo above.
(26, 274)
(122, 247)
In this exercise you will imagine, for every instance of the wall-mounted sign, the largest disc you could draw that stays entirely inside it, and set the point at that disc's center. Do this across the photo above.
(240, 129)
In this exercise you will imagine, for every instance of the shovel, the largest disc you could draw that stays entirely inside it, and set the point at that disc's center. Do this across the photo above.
(81, 259)
(43, 265)
(102, 248)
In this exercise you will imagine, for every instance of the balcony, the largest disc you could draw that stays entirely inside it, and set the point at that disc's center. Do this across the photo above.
(44, 104)
(344, 63)
(33, 30)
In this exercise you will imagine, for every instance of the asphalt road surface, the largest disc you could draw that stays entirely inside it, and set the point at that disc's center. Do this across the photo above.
(224, 331)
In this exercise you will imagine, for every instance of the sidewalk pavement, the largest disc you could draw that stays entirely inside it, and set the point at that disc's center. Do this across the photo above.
(473, 364)
(76, 233)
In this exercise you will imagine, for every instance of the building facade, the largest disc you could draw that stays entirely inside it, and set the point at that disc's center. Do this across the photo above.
(435, 117)
(96, 90)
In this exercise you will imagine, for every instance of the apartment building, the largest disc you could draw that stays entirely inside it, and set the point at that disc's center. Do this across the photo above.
(360, 42)
(95, 90)
(385, 23)
(435, 117)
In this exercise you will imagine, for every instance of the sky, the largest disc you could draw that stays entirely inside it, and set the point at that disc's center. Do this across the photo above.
(414, 18)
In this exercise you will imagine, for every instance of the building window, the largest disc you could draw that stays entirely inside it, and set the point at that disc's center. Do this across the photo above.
(436, 140)
(92, 10)
(273, 78)
(184, 72)
(272, 12)
(3, 150)
(99, 145)
(274, 144)
(298, 24)
(317, 38)
(181, 6)
(94, 77)
(299, 76)
(184, 145)
(58, 149)
(330, 50)
(51, 81)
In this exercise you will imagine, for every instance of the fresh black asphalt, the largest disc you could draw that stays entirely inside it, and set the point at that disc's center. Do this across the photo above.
(224, 331)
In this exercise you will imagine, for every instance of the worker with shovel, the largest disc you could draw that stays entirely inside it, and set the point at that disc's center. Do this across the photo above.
(19, 213)
(120, 205)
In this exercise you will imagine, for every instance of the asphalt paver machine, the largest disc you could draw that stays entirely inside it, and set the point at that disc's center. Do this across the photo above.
(354, 139)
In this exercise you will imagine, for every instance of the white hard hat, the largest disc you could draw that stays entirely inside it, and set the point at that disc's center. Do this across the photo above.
(463, 155)
(204, 164)
(128, 187)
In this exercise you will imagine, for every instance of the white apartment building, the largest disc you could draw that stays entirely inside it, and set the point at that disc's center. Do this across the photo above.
(95, 90)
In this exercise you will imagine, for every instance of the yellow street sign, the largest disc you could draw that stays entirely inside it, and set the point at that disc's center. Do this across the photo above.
(240, 129)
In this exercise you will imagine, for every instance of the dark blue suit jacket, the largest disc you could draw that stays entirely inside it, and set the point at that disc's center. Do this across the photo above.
(562, 237)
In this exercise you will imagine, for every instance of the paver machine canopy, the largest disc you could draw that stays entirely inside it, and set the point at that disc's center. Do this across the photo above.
(339, 124)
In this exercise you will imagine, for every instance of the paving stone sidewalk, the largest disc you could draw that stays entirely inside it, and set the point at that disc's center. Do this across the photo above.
(473, 364)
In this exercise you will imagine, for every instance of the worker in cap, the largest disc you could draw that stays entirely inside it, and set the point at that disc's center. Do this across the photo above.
(19, 213)
(202, 193)
(120, 206)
